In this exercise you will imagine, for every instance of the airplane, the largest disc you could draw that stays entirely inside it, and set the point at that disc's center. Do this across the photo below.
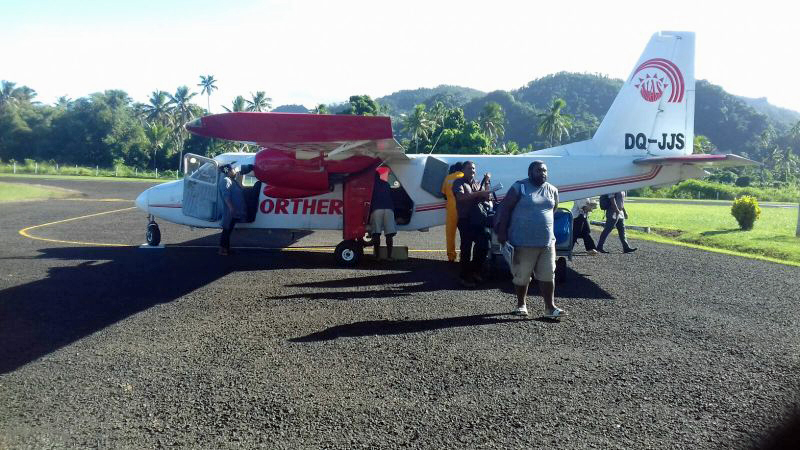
(316, 172)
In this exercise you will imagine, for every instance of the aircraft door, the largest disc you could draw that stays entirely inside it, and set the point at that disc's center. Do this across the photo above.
(200, 193)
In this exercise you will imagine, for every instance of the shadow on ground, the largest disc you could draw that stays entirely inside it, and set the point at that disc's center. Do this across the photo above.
(108, 284)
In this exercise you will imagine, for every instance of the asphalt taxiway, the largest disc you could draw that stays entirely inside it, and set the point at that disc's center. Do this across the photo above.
(103, 344)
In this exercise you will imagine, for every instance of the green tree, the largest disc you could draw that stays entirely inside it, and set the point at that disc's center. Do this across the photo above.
(492, 121)
(158, 108)
(321, 109)
(208, 86)
(703, 144)
(259, 102)
(158, 135)
(361, 105)
(239, 104)
(183, 112)
(553, 124)
(418, 125)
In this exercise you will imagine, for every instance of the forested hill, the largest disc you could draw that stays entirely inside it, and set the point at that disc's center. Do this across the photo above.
(403, 102)
(727, 120)
(776, 114)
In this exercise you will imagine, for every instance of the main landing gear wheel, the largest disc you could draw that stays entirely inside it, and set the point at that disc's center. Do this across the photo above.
(153, 234)
(348, 253)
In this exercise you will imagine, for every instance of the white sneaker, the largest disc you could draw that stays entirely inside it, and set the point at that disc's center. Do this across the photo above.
(520, 311)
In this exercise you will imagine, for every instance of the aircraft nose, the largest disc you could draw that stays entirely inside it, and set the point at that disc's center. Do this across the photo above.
(141, 201)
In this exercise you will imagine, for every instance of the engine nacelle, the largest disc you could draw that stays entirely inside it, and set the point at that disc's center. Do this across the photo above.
(289, 177)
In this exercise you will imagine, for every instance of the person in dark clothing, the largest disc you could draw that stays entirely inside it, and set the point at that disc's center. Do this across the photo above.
(615, 217)
(580, 224)
(381, 217)
(234, 208)
(468, 193)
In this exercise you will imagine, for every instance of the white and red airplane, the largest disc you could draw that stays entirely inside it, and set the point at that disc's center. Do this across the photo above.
(315, 172)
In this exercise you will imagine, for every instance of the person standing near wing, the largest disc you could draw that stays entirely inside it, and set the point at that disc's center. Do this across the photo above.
(452, 212)
(381, 217)
(233, 206)
(526, 221)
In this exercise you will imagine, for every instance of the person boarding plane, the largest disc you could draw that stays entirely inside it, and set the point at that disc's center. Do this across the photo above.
(315, 172)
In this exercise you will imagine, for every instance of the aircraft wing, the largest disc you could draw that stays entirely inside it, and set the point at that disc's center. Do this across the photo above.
(306, 135)
(698, 160)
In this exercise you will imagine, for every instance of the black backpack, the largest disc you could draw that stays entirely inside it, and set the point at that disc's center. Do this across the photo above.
(605, 202)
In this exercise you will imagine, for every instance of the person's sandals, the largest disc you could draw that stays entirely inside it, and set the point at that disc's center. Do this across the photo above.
(592, 252)
(556, 314)
(520, 311)
(600, 250)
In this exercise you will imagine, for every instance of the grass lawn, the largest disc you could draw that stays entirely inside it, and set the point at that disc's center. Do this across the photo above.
(13, 192)
(79, 177)
(773, 235)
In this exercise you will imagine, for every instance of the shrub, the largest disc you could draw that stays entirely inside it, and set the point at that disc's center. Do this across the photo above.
(746, 211)
(743, 181)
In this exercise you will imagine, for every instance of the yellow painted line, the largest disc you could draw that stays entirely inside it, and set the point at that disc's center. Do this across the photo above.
(25, 233)
(664, 240)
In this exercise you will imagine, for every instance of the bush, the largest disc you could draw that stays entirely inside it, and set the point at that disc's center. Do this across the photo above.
(746, 211)
(743, 181)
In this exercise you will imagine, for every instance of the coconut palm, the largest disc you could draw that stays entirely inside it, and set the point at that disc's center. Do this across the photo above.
(418, 125)
(239, 105)
(183, 112)
(207, 83)
(553, 124)
(157, 134)
(492, 121)
(158, 109)
(11, 94)
(260, 102)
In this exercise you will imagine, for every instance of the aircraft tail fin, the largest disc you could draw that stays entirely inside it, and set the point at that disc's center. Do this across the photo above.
(653, 114)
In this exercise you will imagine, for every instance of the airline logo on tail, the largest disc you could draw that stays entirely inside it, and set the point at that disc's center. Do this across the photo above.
(659, 74)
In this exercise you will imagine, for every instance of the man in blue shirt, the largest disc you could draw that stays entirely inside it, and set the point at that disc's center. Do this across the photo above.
(233, 206)
(526, 222)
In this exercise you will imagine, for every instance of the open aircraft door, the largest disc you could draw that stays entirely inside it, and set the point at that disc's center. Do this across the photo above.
(200, 192)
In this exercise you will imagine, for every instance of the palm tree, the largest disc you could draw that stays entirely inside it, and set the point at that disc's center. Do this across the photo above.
(183, 112)
(11, 94)
(437, 115)
(553, 124)
(64, 102)
(418, 125)
(260, 102)
(207, 83)
(7, 92)
(321, 109)
(492, 121)
(157, 134)
(239, 105)
(158, 108)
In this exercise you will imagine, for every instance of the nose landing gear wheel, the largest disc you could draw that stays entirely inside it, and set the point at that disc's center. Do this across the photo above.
(348, 253)
(153, 234)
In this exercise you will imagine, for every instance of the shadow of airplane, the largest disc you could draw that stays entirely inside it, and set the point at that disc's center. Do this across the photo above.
(110, 284)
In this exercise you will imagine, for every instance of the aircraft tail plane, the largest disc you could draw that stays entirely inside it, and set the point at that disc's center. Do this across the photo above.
(653, 114)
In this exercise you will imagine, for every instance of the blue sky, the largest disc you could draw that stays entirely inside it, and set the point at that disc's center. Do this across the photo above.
(313, 52)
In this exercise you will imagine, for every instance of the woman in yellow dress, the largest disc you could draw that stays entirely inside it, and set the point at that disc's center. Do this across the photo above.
(452, 213)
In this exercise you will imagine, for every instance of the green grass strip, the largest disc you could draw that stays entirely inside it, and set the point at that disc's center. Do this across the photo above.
(15, 192)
